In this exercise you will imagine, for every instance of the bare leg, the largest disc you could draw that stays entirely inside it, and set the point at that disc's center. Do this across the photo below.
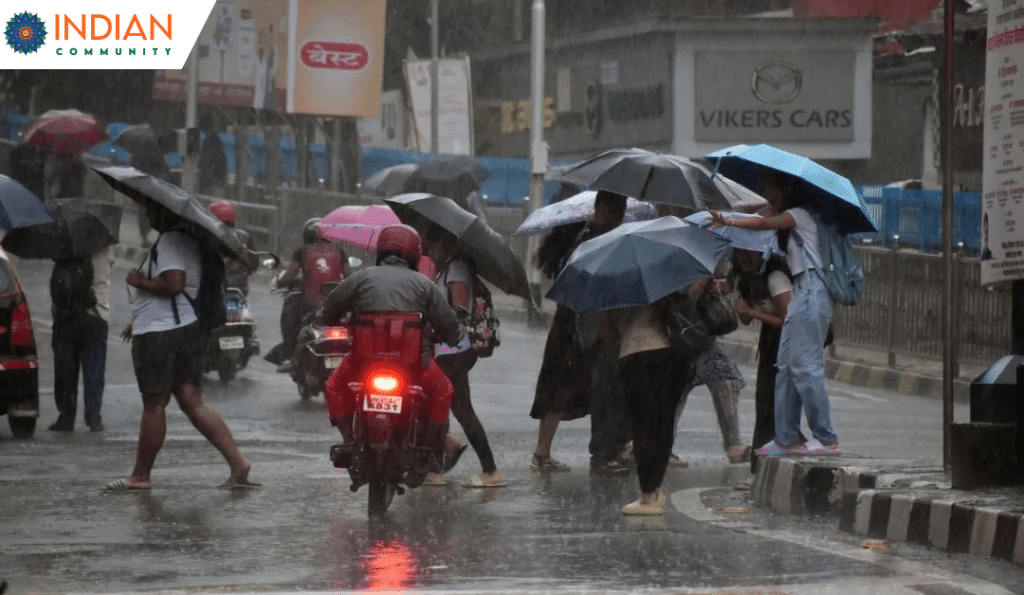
(546, 434)
(212, 426)
(152, 429)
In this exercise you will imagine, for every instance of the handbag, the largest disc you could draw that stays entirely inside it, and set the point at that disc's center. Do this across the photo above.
(717, 313)
(687, 333)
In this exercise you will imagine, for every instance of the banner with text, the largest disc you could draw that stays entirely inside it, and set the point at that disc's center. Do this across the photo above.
(1002, 221)
(336, 57)
(101, 34)
(241, 53)
(454, 104)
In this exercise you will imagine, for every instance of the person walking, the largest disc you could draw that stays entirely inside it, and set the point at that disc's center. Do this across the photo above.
(80, 307)
(455, 278)
(800, 382)
(655, 377)
(64, 176)
(167, 352)
(213, 162)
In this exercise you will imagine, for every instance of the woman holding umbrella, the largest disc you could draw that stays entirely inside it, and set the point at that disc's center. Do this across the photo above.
(801, 361)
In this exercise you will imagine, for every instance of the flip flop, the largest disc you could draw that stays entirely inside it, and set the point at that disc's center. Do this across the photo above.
(453, 460)
(434, 483)
(476, 482)
(122, 485)
(231, 484)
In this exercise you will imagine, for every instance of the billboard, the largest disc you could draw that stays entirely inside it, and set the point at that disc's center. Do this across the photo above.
(1002, 204)
(322, 58)
(454, 105)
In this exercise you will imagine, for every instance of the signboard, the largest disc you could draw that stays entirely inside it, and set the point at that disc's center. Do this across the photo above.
(336, 57)
(776, 96)
(240, 51)
(386, 131)
(455, 106)
(1002, 222)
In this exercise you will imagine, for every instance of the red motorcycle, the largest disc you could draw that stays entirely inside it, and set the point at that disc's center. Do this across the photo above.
(391, 408)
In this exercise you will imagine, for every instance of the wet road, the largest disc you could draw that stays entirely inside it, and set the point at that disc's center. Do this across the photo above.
(304, 530)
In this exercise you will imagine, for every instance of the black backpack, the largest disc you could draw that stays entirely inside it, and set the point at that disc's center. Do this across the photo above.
(71, 289)
(209, 301)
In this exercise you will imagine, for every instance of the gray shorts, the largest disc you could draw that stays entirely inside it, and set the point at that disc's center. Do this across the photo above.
(165, 360)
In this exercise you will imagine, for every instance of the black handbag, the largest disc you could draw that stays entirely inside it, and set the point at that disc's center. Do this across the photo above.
(717, 313)
(688, 336)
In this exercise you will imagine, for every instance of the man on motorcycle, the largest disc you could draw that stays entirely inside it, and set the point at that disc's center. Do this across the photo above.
(394, 285)
(320, 262)
(236, 273)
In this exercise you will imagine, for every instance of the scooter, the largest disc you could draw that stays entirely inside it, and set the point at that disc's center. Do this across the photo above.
(390, 422)
(231, 345)
(319, 350)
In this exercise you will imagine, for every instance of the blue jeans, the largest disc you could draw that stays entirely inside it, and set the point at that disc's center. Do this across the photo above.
(79, 344)
(801, 362)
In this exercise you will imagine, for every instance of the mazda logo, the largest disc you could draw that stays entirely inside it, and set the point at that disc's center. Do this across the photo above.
(776, 82)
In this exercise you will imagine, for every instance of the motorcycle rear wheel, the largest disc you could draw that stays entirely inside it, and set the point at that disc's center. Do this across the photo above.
(380, 496)
(226, 372)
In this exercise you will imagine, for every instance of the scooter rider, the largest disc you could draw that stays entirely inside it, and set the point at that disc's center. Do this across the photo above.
(236, 274)
(394, 285)
(320, 262)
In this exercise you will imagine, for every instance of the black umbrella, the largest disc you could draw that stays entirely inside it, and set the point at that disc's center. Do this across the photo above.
(19, 206)
(660, 178)
(390, 180)
(447, 175)
(142, 138)
(147, 190)
(495, 261)
(80, 227)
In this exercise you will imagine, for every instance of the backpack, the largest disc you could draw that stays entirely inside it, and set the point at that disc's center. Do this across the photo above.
(840, 270)
(688, 336)
(481, 323)
(209, 301)
(71, 289)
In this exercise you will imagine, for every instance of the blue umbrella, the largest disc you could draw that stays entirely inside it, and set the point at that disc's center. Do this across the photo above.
(19, 206)
(763, 242)
(834, 196)
(637, 264)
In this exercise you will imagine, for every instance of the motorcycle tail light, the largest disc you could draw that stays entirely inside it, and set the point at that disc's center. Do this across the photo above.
(337, 332)
(21, 327)
(234, 318)
(384, 382)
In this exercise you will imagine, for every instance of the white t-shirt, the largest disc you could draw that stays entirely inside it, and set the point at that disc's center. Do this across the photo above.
(101, 264)
(175, 251)
(457, 270)
(778, 284)
(808, 231)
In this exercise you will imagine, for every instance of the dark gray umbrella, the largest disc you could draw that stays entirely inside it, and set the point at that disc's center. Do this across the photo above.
(494, 260)
(637, 264)
(390, 180)
(659, 178)
(80, 227)
(453, 176)
(19, 206)
(147, 190)
(142, 138)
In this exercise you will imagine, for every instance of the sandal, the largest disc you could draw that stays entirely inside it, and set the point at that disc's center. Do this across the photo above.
(738, 455)
(675, 461)
(609, 467)
(539, 463)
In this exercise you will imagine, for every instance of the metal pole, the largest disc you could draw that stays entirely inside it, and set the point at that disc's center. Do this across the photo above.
(538, 148)
(947, 230)
(188, 173)
(434, 83)
(894, 297)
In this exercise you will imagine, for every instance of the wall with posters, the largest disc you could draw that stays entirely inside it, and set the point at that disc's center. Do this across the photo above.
(454, 105)
(1002, 226)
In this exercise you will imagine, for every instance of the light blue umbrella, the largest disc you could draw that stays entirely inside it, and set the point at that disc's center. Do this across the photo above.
(763, 242)
(19, 206)
(637, 264)
(833, 195)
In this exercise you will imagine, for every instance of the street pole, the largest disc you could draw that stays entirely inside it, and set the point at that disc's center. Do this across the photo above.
(946, 142)
(538, 148)
(434, 83)
(189, 166)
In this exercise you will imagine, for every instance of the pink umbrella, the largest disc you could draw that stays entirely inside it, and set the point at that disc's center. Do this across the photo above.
(65, 131)
(357, 225)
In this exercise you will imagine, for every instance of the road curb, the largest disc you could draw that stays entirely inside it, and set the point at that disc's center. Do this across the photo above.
(907, 501)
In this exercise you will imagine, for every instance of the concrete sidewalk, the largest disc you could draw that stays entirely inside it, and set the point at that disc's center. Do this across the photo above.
(897, 501)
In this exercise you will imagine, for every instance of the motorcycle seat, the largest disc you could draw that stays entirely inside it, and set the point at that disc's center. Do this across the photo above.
(394, 337)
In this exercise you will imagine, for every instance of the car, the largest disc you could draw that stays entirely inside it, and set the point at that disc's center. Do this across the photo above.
(19, 360)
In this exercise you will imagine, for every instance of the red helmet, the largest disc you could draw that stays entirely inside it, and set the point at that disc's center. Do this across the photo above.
(223, 210)
(403, 240)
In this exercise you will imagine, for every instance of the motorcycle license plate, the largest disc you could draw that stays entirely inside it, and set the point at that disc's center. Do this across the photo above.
(232, 342)
(332, 362)
(382, 404)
